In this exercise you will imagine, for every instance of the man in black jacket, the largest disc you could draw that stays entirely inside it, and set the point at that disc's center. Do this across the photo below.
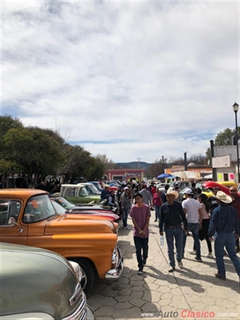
(173, 217)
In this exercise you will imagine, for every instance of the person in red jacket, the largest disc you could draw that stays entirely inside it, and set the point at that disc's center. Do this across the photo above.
(157, 202)
(153, 189)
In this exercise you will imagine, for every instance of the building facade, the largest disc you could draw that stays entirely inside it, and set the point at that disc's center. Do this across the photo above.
(125, 174)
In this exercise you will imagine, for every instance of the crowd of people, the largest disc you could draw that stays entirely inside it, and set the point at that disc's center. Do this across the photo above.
(216, 218)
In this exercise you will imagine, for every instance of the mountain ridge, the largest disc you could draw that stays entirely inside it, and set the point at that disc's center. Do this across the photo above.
(133, 165)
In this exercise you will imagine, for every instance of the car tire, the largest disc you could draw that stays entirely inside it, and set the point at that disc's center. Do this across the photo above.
(89, 274)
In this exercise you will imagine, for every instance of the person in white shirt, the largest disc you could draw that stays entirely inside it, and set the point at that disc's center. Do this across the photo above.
(192, 209)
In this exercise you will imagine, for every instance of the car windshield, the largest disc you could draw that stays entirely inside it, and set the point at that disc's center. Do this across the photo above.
(64, 203)
(38, 208)
(58, 208)
(97, 185)
(92, 189)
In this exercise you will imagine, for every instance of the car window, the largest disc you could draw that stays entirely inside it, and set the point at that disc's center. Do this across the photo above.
(64, 203)
(93, 188)
(83, 192)
(9, 211)
(38, 208)
(58, 208)
(71, 192)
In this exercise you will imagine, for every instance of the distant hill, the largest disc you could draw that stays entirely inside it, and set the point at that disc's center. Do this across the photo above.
(133, 165)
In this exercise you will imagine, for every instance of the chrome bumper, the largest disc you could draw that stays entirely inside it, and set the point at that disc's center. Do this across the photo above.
(90, 314)
(117, 261)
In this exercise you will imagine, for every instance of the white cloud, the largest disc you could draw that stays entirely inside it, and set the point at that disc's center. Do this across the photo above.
(153, 78)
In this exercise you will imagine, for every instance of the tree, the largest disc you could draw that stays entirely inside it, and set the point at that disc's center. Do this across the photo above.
(155, 169)
(7, 123)
(34, 151)
(98, 169)
(223, 138)
(108, 164)
(78, 163)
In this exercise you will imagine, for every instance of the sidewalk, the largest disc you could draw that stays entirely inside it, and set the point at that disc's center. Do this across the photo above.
(190, 293)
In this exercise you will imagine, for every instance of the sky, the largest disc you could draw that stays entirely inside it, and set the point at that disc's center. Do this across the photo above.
(134, 80)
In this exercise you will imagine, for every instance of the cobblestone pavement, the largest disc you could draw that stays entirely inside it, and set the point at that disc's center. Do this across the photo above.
(190, 293)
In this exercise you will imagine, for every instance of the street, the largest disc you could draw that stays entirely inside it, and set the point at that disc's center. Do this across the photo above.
(191, 293)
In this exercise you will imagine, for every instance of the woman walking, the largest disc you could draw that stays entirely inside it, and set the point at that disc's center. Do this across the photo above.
(204, 221)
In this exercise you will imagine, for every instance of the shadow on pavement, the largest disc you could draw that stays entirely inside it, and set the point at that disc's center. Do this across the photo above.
(172, 278)
(122, 298)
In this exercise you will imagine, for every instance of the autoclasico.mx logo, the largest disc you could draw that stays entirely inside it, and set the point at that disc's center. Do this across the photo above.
(189, 314)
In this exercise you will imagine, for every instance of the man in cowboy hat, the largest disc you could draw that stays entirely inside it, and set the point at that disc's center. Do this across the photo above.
(225, 228)
(172, 217)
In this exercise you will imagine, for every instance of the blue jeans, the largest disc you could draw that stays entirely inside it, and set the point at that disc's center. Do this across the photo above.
(221, 240)
(141, 244)
(125, 217)
(157, 212)
(237, 240)
(194, 228)
(170, 235)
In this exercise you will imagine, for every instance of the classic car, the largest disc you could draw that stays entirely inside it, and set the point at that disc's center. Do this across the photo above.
(91, 188)
(77, 193)
(39, 284)
(86, 209)
(27, 216)
(102, 215)
(97, 185)
(181, 184)
(224, 186)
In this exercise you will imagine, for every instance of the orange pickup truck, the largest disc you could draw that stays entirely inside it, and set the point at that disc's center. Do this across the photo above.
(28, 217)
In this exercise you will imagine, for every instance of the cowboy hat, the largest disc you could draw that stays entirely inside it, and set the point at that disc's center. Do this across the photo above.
(173, 192)
(222, 196)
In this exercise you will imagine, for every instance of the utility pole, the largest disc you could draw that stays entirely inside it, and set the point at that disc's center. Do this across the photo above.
(185, 161)
(138, 162)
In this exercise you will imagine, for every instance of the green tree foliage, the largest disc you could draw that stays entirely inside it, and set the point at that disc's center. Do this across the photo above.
(80, 163)
(98, 169)
(6, 123)
(41, 152)
(223, 138)
(108, 164)
(35, 152)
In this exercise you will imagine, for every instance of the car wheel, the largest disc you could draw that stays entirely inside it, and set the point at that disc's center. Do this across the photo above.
(88, 277)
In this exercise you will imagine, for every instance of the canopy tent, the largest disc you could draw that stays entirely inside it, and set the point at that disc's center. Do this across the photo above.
(164, 175)
(208, 176)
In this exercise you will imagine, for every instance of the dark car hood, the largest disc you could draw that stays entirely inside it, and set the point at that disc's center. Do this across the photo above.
(24, 288)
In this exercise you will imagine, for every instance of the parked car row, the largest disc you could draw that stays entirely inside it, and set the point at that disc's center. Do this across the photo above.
(86, 237)
(63, 206)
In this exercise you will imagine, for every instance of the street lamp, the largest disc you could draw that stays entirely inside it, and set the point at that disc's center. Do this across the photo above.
(235, 109)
